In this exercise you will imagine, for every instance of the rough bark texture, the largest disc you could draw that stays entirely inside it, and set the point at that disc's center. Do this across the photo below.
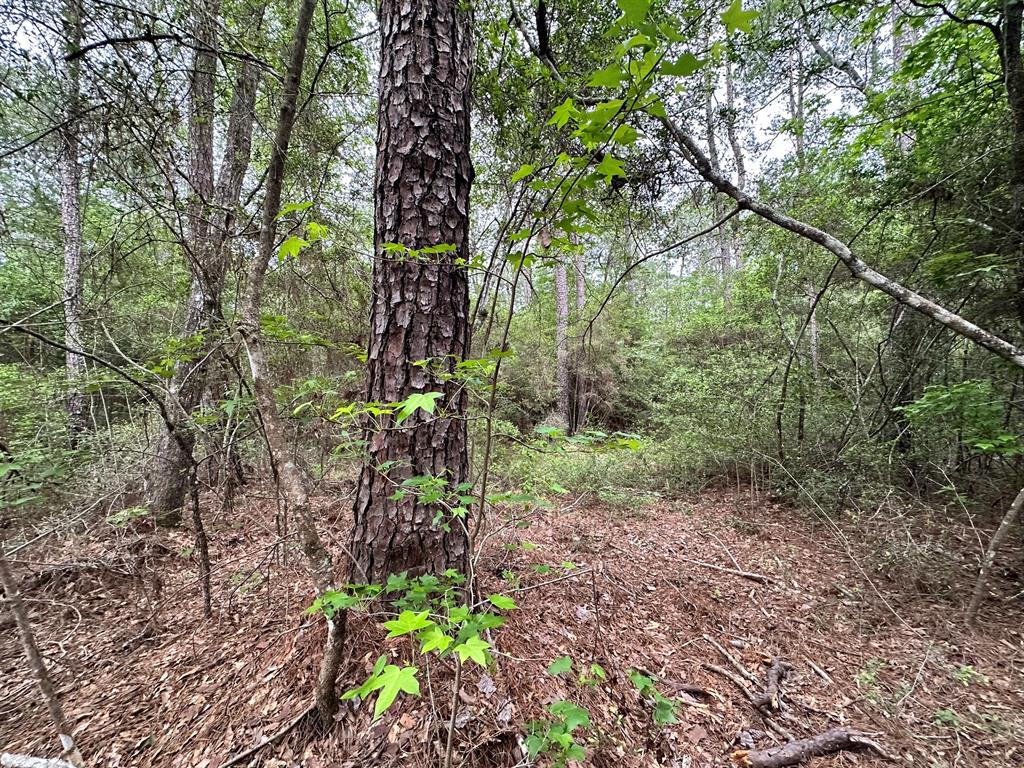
(71, 223)
(420, 305)
(692, 151)
(13, 599)
(801, 750)
(167, 480)
(981, 586)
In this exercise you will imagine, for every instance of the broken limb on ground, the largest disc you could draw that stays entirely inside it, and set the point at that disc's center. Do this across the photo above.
(824, 648)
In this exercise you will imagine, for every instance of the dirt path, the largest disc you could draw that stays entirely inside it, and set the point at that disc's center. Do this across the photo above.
(620, 590)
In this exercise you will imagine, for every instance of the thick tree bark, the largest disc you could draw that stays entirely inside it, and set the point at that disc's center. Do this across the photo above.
(13, 599)
(420, 306)
(981, 585)
(562, 373)
(290, 481)
(71, 223)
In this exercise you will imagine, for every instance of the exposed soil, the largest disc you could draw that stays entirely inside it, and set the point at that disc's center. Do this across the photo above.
(147, 682)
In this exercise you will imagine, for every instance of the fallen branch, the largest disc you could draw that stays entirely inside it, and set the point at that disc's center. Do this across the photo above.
(731, 659)
(796, 752)
(272, 739)
(760, 578)
(771, 699)
(751, 698)
(981, 586)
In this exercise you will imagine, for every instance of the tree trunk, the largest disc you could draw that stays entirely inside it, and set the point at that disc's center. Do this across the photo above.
(71, 223)
(981, 586)
(718, 205)
(1013, 74)
(167, 480)
(213, 212)
(581, 282)
(812, 329)
(420, 306)
(732, 118)
(290, 482)
(562, 373)
(70, 752)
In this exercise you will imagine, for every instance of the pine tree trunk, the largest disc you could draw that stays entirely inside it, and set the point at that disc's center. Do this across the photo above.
(420, 306)
(71, 223)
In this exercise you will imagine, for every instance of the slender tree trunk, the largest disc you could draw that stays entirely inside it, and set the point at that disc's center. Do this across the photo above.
(290, 481)
(420, 306)
(981, 585)
(718, 204)
(581, 282)
(736, 255)
(562, 372)
(13, 599)
(167, 480)
(578, 406)
(812, 328)
(71, 223)
(1013, 73)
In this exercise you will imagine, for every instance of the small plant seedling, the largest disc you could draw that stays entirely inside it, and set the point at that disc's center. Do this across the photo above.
(555, 736)
(967, 675)
(664, 708)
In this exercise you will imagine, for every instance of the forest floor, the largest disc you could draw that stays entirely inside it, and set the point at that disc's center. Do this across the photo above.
(146, 681)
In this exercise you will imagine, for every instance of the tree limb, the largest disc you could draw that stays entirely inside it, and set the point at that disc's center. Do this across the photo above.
(693, 153)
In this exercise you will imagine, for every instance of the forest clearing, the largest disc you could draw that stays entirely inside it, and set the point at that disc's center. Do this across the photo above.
(875, 654)
(520, 384)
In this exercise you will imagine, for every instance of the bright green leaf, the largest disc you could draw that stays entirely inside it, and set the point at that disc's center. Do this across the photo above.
(737, 19)
(408, 621)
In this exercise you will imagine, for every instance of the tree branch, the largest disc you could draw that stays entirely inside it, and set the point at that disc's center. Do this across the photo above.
(693, 153)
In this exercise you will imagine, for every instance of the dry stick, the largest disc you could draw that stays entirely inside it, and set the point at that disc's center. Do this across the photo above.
(455, 712)
(750, 697)
(13, 597)
(272, 739)
(731, 659)
(202, 544)
(989, 560)
(8, 760)
(796, 752)
(692, 151)
(760, 578)
(771, 699)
